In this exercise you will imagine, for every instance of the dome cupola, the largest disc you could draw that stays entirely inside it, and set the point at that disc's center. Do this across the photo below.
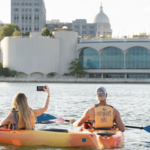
(101, 17)
(103, 24)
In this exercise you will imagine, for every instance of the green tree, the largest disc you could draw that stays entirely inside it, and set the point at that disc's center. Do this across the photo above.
(12, 73)
(52, 74)
(50, 34)
(8, 30)
(45, 32)
(66, 74)
(76, 68)
(26, 34)
(16, 33)
(6, 72)
(1, 69)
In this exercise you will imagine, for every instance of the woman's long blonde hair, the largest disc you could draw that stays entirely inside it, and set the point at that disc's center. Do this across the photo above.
(20, 103)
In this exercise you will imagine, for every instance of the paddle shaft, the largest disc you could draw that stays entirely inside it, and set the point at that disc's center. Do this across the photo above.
(69, 121)
(125, 126)
(134, 127)
(38, 122)
(35, 123)
(45, 117)
(49, 117)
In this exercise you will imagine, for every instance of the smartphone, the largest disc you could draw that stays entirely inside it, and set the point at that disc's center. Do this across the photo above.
(40, 88)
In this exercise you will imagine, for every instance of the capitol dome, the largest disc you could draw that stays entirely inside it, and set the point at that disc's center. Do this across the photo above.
(101, 17)
(103, 24)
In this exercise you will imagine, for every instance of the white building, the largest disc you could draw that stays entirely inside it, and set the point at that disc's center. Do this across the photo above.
(37, 56)
(29, 15)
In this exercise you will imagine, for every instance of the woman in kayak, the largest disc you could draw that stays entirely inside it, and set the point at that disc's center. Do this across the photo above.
(101, 115)
(22, 116)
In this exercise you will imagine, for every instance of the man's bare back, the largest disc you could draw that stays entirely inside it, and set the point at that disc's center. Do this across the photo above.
(89, 114)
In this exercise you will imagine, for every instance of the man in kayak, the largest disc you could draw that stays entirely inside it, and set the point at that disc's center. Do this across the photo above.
(22, 116)
(101, 115)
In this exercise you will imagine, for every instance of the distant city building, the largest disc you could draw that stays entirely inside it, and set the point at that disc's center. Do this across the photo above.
(53, 20)
(103, 24)
(100, 27)
(83, 28)
(2, 25)
(29, 15)
(51, 25)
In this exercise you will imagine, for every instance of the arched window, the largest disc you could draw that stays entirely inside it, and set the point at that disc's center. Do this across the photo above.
(89, 58)
(138, 58)
(37, 75)
(112, 58)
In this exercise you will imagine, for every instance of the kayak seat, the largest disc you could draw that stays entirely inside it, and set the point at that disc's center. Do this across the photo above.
(55, 130)
(105, 133)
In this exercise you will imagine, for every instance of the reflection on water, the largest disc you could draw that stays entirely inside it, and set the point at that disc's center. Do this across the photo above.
(71, 100)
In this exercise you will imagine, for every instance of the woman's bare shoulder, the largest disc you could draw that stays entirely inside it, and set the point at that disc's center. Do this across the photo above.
(11, 115)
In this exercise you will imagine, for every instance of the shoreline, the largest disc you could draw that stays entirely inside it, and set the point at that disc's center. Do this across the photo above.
(76, 80)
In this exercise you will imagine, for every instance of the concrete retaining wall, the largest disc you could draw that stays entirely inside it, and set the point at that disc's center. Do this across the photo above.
(74, 80)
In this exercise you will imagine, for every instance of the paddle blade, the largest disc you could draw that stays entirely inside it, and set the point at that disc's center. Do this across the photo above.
(59, 120)
(147, 129)
(45, 117)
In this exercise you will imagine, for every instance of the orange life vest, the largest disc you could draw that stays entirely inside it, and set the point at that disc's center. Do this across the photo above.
(103, 116)
(20, 124)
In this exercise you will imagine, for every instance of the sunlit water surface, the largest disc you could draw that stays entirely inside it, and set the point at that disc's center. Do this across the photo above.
(71, 100)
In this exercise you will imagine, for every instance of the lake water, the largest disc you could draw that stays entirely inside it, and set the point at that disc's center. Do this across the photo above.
(71, 100)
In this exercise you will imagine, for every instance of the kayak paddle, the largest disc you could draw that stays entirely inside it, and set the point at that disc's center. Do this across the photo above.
(45, 117)
(58, 120)
(48, 117)
(147, 128)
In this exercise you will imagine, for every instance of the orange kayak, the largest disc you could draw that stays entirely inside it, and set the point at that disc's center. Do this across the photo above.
(63, 138)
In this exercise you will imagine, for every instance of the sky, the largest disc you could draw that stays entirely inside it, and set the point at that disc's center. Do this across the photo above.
(127, 17)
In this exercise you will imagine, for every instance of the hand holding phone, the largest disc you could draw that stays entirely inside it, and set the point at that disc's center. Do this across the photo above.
(40, 88)
(44, 88)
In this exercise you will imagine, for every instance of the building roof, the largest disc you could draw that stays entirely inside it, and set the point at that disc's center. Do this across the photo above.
(101, 17)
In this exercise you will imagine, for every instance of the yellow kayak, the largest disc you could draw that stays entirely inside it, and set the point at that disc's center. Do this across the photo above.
(63, 138)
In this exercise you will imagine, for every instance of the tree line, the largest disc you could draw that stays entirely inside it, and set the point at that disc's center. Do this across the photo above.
(14, 30)
(6, 72)
(76, 69)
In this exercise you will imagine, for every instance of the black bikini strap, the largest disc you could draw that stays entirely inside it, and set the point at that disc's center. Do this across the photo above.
(15, 116)
(96, 105)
